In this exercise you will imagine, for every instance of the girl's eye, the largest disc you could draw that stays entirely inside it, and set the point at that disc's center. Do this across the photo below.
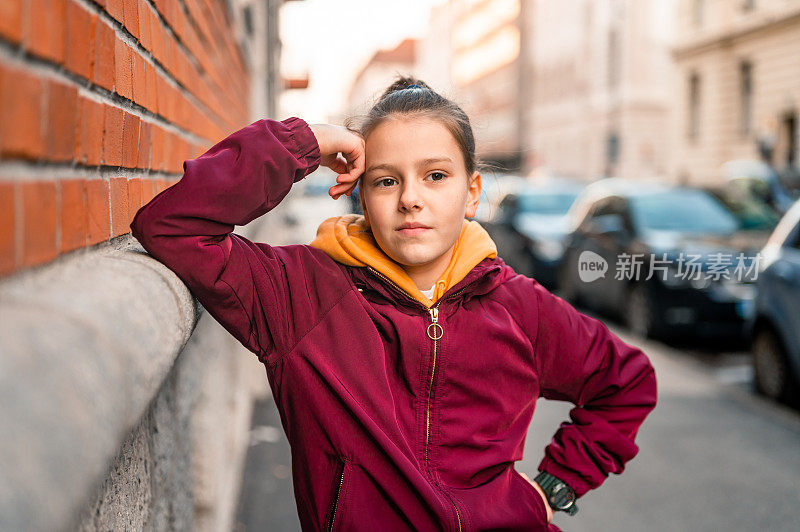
(381, 181)
(438, 173)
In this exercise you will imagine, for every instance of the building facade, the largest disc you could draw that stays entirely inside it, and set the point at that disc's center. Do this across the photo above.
(737, 84)
(600, 99)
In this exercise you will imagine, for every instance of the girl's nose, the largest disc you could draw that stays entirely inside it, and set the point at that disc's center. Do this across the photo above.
(409, 196)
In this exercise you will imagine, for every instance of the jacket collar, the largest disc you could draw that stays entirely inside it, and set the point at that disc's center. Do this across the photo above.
(485, 276)
(348, 240)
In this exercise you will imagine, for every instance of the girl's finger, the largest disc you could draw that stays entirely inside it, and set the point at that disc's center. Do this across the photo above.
(337, 189)
(339, 165)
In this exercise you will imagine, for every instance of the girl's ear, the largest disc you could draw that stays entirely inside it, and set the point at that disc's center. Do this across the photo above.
(363, 203)
(473, 195)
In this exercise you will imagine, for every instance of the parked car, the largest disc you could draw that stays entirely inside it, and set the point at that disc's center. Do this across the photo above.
(775, 325)
(494, 186)
(701, 282)
(753, 190)
(530, 227)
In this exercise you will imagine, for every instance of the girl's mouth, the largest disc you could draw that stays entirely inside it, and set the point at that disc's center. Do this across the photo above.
(413, 231)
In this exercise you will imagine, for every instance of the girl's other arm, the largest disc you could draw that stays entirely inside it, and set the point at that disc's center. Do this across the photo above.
(612, 384)
(188, 227)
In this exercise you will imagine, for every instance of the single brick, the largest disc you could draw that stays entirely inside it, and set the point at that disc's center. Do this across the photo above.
(90, 132)
(38, 222)
(173, 95)
(157, 36)
(162, 88)
(151, 101)
(130, 12)
(123, 69)
(138, 79)
(21, 133)
(147, 191)
(119, 206)
(62, 121)
(169, 54)
(46, 28)
(168, 146)
(104, 67)
(7, 228)
(144, 145)
(130, 140)
(73, 215)
(114, 8)
(98, 210)
(11, 26)
(176, 154)
(80, 40)
(144, 24)
(156, 148)
(134, 197)
(112, 136)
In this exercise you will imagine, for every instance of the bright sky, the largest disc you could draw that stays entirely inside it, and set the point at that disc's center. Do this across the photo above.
(332, 40)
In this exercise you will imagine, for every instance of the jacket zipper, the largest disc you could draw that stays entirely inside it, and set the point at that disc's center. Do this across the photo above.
(435, 333)
(335, 502)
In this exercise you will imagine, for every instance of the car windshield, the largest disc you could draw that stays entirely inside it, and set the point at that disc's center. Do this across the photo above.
(685, 210)
(546, 202)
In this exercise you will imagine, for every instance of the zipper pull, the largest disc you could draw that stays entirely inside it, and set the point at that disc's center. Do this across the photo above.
(438, 331)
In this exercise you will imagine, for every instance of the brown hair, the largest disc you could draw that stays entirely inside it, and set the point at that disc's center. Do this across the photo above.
(400, 98)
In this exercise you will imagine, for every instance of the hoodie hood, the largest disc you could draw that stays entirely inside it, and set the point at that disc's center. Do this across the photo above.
(348, 240)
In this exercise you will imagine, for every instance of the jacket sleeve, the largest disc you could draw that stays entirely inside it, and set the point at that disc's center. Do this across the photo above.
(612, 384)
(188, 227)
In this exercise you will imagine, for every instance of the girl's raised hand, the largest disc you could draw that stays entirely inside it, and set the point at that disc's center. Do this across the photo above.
(342, 151)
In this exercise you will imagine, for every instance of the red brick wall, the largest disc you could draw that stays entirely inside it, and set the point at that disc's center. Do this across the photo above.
(100, 103)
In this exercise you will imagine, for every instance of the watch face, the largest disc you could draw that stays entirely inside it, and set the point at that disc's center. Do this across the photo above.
(562, 496)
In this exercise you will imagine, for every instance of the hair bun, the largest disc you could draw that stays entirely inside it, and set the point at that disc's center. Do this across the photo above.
(402, 83)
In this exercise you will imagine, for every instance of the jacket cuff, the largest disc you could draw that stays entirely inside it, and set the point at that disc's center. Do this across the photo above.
(575, 481)
(306, 146)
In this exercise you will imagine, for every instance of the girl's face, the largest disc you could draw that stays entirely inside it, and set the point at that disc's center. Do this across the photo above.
(415, 174)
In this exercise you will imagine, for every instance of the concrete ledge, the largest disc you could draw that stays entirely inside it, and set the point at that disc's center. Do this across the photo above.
(85, 344)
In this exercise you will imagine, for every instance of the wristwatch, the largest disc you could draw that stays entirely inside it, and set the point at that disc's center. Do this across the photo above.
(559, 494)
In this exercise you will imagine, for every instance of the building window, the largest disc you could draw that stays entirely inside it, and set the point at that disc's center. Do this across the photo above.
(247, 15)
(746, 92)
(698, 7)
(612, 151)
(694, 106)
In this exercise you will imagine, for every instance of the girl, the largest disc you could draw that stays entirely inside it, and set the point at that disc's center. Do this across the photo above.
(405, 357)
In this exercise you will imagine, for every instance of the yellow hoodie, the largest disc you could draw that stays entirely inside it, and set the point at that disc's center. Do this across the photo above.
(348, 240)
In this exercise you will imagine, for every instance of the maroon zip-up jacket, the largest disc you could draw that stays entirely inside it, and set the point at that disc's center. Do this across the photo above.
(389, 428)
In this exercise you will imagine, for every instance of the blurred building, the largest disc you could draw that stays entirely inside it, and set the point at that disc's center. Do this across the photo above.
(434, 49)
(487, 74)
(378, 73)
(261, 48)
(737, 85)
(600, 74)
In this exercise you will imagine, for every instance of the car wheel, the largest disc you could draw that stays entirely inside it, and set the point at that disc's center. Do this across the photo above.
(772, 374)
(639, 311)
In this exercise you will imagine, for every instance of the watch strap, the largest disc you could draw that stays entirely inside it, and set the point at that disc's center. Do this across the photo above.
(559, 493)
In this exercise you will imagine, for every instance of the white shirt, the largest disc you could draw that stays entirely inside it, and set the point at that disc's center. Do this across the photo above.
(429, 292)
